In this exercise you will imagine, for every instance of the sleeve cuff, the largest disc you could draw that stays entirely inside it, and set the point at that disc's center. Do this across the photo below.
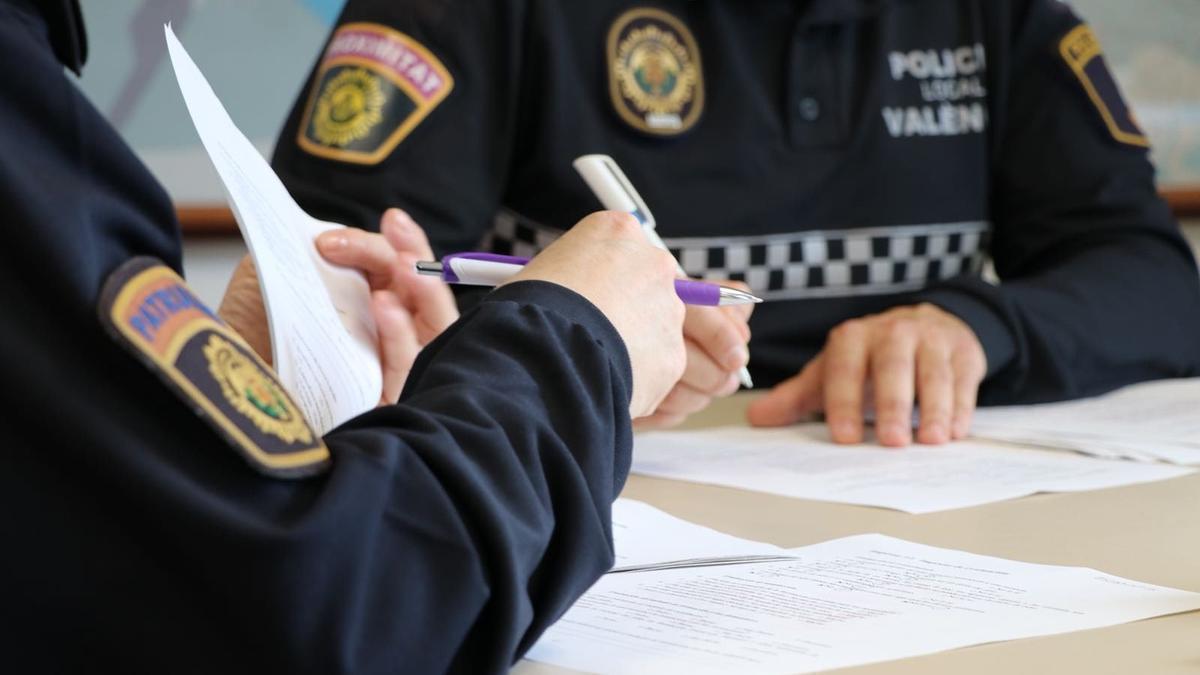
(574, 308)
(999, 344)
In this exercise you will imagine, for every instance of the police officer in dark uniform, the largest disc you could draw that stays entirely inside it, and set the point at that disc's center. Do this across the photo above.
(854, 161)
(168, 509)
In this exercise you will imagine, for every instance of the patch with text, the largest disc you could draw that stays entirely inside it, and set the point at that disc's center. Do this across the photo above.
(373, 87)
(950, 83)
(151, 310)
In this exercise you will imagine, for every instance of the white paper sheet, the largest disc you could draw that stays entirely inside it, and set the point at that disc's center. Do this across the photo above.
(1152, 421)
(647, 538)
(845, 602)
(801, 462)
(322, 331)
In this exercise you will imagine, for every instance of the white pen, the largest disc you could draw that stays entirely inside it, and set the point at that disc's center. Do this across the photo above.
(491, 269)
(616, 193)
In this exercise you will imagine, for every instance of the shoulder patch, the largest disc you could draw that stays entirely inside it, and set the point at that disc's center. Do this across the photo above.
(147, 307)
(655, 76)
(1080, 49)
(373, 87)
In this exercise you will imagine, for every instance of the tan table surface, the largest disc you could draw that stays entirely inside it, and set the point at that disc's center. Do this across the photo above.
(1147, 532)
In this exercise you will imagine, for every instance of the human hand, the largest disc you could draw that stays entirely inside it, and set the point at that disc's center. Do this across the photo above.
(919, 352)
(243, 309)
(606, 259)
(715, 339)
(409, 310)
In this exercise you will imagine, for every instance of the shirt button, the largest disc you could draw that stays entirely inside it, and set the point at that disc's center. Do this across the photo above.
(809, 108)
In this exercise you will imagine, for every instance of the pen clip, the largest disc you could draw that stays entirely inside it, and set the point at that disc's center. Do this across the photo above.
(602, 174)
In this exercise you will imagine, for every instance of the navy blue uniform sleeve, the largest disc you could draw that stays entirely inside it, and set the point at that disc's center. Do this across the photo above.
(449, 170)
(1098, 287)
(471, 514)
(450, 530)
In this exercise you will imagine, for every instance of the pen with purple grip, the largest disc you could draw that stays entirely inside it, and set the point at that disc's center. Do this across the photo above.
(490, 269)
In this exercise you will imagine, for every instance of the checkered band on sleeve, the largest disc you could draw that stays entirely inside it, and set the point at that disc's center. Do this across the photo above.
(838, 263)
(811, 264)
(513, 234)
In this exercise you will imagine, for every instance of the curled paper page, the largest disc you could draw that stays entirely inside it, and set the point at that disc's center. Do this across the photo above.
(322, 333)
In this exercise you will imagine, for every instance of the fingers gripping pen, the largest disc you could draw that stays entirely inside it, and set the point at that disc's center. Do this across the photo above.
(616, 193)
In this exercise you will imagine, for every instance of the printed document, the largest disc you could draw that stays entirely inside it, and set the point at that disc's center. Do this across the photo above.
(841, 603)
(1151, 421)
(646, 538)
(322, 331)
(802, 462)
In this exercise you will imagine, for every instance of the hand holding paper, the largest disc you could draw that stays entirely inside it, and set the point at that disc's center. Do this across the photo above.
(323, 336)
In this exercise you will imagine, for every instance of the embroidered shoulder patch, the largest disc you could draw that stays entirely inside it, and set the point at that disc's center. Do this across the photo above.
(147, 307)
(654, 72)
(373, 87)
(1080, 49)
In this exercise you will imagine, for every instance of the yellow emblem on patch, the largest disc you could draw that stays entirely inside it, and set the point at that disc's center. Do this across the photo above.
(373, 87)
(151, 310)
(349, 107)
(253, 392)
(655, 75)
(1081, 51)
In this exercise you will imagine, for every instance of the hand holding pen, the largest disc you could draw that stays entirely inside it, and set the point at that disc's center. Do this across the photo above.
(616, 193)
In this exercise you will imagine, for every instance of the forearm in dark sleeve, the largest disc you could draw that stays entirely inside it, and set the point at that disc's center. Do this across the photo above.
(1098, 288)
(452, 527)
(494, 476)
(1121, 308)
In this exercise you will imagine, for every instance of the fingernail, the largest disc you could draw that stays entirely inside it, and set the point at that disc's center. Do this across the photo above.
(936, 433)
(962, 427)
(333, 243)
(845, 432)
(893, 432)
(737, 357)
(399, 219)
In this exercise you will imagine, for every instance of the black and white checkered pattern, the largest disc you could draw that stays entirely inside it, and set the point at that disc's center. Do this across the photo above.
(515, 235)
(811, 264)
(838, 263)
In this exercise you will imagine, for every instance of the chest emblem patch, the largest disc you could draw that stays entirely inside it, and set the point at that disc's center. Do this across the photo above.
(373, 87)
(1080, 50)
(148, 308)
(655, 77)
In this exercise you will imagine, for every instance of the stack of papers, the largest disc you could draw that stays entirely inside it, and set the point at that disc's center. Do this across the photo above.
(841, 603)
(802, 462)
(1152, 421)
(323, 337)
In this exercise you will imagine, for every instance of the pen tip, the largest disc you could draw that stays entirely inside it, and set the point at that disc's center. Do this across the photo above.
(734, 296)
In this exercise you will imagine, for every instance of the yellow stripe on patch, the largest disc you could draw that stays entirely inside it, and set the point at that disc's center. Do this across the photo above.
(148, 308)
(1081, 51)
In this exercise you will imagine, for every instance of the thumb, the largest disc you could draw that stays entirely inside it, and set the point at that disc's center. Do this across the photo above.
(790, 400)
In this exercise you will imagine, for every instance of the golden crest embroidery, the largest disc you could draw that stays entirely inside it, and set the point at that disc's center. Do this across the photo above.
(349, 107)
(373, 87)
(254, 393)
(655, 77)
(147, 307)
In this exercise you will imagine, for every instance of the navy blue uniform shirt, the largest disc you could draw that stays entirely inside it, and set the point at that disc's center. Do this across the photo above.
(841, 156)
(447, 532)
